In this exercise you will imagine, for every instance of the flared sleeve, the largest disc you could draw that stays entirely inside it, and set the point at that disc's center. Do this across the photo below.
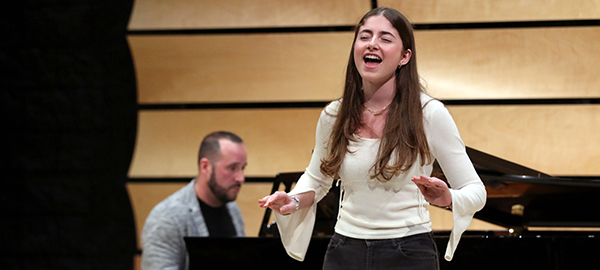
(467, 189)
(296, 229)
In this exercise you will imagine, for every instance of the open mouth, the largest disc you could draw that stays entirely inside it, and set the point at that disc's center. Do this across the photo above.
(372, 59)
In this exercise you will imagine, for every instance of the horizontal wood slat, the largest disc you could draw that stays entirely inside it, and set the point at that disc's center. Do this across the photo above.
(452, 11)
(278, 140)
(555, 139)
(240, 68)
(560, 140)
(204, 14)
(511, 63)
(455, 64)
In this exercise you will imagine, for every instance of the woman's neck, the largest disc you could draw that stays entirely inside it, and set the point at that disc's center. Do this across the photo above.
(378, 96)
(374, 115)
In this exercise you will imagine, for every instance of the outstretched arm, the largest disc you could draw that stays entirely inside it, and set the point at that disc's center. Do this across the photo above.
(284, 204)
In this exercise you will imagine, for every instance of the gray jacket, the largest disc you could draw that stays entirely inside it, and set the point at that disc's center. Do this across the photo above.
(176, 217)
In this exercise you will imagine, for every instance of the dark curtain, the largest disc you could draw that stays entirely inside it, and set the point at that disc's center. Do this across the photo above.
(68, 117)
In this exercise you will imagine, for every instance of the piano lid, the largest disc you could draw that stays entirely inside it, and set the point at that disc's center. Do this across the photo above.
(522, 198)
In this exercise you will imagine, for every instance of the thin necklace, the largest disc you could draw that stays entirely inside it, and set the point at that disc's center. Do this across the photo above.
(376, 113)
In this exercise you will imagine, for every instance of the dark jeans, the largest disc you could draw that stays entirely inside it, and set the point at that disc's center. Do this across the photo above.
(411, 252)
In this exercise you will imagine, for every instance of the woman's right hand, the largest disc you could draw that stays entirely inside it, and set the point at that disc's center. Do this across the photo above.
(279, 202)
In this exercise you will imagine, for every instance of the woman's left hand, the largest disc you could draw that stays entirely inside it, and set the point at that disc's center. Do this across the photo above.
(434, 190)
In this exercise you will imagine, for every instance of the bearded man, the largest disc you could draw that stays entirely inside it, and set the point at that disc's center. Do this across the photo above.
(203, 208)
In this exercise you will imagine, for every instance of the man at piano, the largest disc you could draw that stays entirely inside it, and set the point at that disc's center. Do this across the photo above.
(204, 207)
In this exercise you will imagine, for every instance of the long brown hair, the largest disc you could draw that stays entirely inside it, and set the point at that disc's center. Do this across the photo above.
(403, 138)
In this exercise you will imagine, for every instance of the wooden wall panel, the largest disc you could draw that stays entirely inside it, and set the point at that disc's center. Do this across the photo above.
(555, 139)
(240, 68)
(202, 14)
(510, 63)
(452, 11)
(278, 140)
(137, 262)
(560, 140)
(561, 62)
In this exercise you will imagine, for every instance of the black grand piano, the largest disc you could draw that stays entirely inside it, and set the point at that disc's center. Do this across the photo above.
(551, 223)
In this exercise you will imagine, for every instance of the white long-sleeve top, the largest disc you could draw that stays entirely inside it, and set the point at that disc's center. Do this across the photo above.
(370, 209)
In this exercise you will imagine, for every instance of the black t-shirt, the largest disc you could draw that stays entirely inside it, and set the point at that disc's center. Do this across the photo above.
(218, 220)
